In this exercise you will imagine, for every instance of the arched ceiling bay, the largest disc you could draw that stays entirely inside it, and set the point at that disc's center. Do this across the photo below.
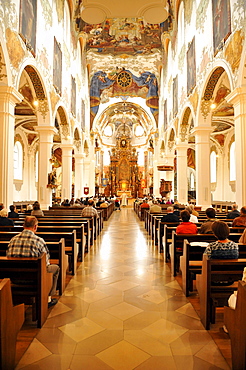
(124, 119)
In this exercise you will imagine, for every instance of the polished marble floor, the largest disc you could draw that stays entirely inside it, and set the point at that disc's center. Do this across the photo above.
(123, 311)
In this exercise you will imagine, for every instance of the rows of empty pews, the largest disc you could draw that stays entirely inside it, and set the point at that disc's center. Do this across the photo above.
(211, 280)
(25, 281)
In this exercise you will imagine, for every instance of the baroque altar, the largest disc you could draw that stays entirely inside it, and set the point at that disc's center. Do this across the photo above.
(124, 173)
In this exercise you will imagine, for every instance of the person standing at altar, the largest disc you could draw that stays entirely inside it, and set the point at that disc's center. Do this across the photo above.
(124, 200)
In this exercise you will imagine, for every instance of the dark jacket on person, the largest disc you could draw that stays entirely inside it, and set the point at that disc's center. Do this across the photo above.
(13, 215)
(233, 214)
(4, 221)
(170, 217)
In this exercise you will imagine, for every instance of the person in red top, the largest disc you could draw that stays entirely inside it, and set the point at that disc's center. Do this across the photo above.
(186, 227)
(144, 204)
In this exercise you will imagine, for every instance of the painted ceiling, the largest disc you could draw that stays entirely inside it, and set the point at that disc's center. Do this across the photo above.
(123, 35)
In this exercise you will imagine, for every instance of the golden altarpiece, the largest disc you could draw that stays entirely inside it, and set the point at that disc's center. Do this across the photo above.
(124, 172)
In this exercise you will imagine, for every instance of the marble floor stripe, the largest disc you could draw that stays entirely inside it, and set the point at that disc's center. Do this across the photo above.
(123, 310)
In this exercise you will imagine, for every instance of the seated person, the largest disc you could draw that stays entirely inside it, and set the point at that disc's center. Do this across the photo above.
(193, 218)
(144, 204)
(241, 220)
(186, 227)
(4, 221)
(234, 212)
(89, 210)
(37, 212)
(29, 209)
(155, 208)
(195, 213)
(206, 227)
(170, 216)
(117, 204)
(13, 213)
(27, 244)
(176, 209)
(223, 248)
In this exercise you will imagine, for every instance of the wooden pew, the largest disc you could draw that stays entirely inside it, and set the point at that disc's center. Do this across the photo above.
(11, 321)
(31, 283)
(165, 237)
(191, 263)
(57, 256)
(53, 226)
(70, 243)
(177, 245)
(235, 322)
(211, 293)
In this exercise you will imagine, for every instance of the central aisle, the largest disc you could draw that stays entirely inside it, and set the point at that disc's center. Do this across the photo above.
(123, 310)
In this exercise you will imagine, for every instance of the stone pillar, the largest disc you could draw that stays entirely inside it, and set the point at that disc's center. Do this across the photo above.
(203, 184)
(156, 179)
(46, 134)
(238, 99)
(79, 175)
(169, 175)
(66, 171)
(8, 99)
(182, 181)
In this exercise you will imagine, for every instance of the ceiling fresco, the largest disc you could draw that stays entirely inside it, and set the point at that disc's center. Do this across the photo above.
(123, 36)
(123, 83)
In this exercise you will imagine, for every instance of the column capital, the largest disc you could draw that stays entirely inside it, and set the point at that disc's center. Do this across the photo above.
(46, 129)
(10, 93)
(199, 130)
(237, 95)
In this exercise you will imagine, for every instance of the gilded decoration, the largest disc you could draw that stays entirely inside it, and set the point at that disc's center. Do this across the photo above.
(206, 107)
(201, 15)
(181, 58)
(212, 83)
(188, 5)
(15, 50)
(54, 98)
(47, 12)
(194, 100)
(36, 82)
(234, 50)
(60, 9)
(62, 115)
(2, 65)
(66, 54)
(43, 107)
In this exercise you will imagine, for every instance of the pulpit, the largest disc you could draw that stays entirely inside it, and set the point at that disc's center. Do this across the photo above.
(165, 187)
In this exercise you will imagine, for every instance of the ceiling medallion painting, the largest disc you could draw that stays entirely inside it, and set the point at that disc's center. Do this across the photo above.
(124, 83)
(123, 36)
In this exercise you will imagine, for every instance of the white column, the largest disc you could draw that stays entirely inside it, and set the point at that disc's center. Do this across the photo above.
(203, 184)
(169, 175)
(182, 181)
(46, 134)
(156, 179)
(8, 99)
(238, 99)
(66, 171)
(79, 174)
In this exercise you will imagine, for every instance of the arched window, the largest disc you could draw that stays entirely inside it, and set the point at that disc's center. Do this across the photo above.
(213, 170)
(106, 158)
(18, 161)
(232, 162)
(192, 181)
(141, 158)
